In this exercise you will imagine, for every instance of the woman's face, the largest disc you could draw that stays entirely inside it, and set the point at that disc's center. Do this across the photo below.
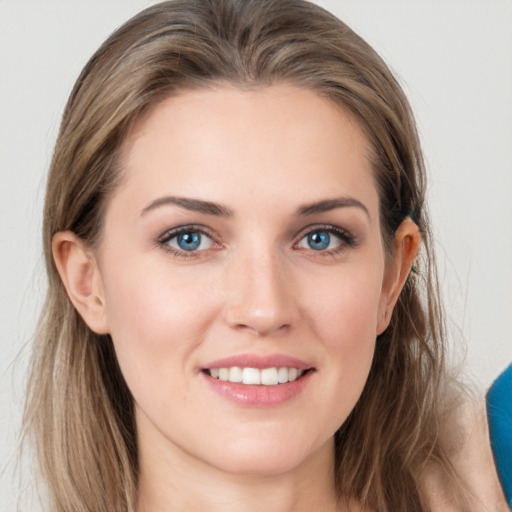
(244, 243)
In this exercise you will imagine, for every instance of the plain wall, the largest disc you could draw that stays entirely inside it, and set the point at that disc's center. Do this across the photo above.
(454, 59)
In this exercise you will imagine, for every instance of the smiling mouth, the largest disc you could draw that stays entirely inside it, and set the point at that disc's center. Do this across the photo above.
(254, 376)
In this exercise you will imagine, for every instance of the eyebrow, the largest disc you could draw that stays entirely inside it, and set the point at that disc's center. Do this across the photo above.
(211, 208)
(194, 205)
(331, 204)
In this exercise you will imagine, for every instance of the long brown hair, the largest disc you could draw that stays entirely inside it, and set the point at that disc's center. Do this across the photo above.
(79, 410)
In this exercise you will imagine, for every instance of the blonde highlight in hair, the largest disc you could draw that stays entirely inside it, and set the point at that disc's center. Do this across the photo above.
(79, 410)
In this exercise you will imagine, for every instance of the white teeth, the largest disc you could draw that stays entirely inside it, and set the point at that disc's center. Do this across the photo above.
(269, 376)
(251, 376)
(254, 376)
(282, 375)
(235, 374)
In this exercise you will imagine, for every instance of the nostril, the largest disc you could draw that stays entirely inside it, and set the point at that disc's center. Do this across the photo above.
(258, 320)
(262, 328)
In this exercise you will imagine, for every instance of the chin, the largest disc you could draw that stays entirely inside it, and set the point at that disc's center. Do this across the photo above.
(267, 457)
(250, 465)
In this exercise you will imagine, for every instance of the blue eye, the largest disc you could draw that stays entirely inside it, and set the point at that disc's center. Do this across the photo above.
(319, 240)
(328, 239)
(188, 240)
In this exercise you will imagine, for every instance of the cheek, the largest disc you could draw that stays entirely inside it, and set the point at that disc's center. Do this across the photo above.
(344, 317)
(153, 317)
(346, 307)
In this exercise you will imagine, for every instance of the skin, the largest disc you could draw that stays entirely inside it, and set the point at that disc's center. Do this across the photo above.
(466, 436)
(255, 286)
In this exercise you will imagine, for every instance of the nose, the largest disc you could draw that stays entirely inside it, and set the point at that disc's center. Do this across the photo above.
(259, 296)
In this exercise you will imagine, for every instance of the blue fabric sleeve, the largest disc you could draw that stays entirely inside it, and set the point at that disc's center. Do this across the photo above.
(499, 413)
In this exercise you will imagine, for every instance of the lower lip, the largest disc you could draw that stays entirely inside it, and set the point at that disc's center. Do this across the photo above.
(258, 396)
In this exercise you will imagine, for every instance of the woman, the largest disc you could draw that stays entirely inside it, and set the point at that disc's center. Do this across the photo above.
(234, 206)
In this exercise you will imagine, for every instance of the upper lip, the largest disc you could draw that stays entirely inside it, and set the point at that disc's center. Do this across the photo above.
(259, 361)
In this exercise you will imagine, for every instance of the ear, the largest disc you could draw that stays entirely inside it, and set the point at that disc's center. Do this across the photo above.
(81, 278)
(407, 242)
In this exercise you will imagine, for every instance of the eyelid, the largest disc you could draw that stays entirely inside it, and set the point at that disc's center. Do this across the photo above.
(177, 230)
(345, 236)
(347, 239)
(164, 238)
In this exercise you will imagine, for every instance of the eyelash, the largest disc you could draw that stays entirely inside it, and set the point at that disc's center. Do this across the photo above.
(163, 241)
(347, 240)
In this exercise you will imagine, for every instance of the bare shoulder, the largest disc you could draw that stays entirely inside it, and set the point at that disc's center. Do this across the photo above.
(467, 434)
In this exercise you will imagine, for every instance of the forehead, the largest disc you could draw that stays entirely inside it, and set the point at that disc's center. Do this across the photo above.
(278, 142)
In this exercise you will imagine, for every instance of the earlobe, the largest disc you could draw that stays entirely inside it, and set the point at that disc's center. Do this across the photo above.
(81, 278)
(407, 242)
